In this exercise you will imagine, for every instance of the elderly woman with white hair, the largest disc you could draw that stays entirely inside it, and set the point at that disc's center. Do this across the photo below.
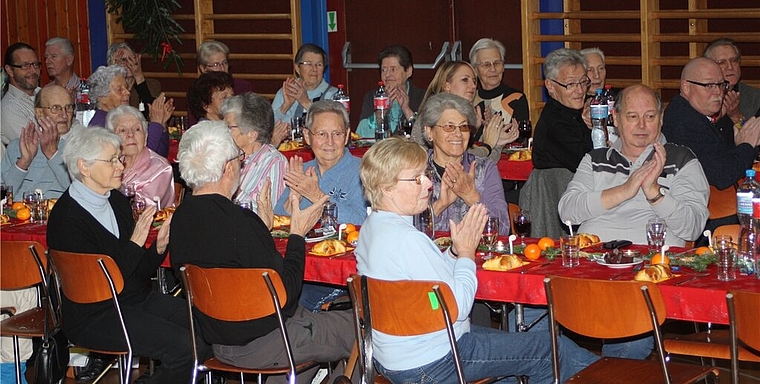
(487, 57)
(141, 90)
(149, 173)
(210, 231)
(108, 86)
(251, 123)
(92, 216)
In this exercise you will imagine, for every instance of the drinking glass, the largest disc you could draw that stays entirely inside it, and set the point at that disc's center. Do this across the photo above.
(404, 127)
(490, 233)
(296, 128)
(32, 201)
(570, 250)
(525, 129)
(3, 190)
(9, 195)
(424, 223)
(521, 221)
(138, 206)
(330, 216)
(726, 250)
(245, 205)
(656, 231)
(129, 191)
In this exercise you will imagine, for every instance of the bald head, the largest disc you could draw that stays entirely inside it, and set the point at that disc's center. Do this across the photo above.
(702, 85)
(56, 103)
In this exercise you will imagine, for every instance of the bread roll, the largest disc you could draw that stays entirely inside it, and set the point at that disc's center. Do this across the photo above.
(503, 263)
(328, 247)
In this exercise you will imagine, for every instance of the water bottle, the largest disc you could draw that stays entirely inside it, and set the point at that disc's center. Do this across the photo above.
(747, 248)
(599, 120)
(343, 98)
(382, 109)
(744, 195)
(85, 107)
(610, 104)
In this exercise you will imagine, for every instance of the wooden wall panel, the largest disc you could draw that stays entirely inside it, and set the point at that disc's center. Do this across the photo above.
(35, 21)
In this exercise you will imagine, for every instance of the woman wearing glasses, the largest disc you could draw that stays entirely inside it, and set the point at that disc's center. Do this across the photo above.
(92, 216)
(460, 179)
(487, 57)
(297, 94)
(560, 140)
(148, 173)
(108, 85)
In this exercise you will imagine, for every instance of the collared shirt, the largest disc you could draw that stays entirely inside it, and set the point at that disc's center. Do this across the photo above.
(152, 176)
(561, 138)
(367, 124)
(323, 91)
(17, 112)
(266, 162)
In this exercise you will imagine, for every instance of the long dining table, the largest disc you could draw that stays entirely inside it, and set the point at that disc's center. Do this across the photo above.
(690, 296)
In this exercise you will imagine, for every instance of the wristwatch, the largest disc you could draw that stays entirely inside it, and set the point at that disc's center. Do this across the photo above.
(660, 194)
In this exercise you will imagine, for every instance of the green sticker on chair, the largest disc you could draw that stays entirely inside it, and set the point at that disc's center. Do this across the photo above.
(433, 300)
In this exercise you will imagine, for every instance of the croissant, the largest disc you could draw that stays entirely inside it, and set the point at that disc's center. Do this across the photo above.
(587, 239)
(503, 263)
(654, 273)
(281, 221)
(328, 247)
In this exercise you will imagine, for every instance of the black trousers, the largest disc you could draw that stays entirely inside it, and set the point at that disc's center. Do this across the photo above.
(158, 328)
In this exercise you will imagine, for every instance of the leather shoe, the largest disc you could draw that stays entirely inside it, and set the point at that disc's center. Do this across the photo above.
(96, 363)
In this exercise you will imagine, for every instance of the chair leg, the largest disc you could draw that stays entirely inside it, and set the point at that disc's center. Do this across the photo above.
(16, 359)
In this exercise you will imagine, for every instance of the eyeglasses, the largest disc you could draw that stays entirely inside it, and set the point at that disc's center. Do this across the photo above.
(723, 86)
(448, 128)
(114, 160)
(323, 135)
(491, 64)
(734, 61)
(217, 65)
(583, 84)
(57, 109)
(317, 65)
(417, 179)
(240, 156)
(27, 66)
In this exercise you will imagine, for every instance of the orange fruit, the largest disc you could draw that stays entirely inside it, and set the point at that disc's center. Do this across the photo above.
(352, 237)
(17, 205)
(532, 251)
(349, 228)
(660, 259)
(703, 250)
(23, 214)
(546, 242)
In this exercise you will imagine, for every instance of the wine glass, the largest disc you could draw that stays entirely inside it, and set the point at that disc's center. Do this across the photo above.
(138, 206)
(129, 191)
(525, 129)
(490, 233)
(521, 221)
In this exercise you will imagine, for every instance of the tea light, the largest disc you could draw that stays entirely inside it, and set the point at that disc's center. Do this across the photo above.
(499, 246)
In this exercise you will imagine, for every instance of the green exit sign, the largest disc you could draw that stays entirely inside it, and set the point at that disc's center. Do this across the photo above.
(332, 21)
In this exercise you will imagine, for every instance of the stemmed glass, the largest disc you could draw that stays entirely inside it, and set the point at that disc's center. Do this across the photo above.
(490, 233)
(129, 191)
(521, 221)
(525, 129)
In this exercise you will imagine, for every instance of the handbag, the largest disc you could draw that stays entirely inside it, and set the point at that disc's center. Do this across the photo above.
(53, 354)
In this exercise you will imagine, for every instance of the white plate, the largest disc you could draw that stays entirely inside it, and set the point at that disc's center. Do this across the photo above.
(324, 236)
(636, 261)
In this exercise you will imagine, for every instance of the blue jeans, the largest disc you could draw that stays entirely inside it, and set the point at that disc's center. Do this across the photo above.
(314, 296)
(638, 347)
(486, 352)
(8, 372)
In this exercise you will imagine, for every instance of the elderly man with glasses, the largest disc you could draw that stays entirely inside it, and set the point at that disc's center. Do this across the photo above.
(34, 161)
(23, 69)
(742, 101)
(560, 140)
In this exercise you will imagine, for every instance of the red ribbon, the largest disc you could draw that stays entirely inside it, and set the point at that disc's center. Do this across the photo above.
(166, 49)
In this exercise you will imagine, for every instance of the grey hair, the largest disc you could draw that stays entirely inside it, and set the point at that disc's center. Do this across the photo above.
(125, 110)
(252, 113)
(86, 144)
(620, 97)
(437, 104)
(588, 51)
(486, 43)
(115, 48)
(327, 106)
(207, 48)
(66, 45)
(560, 58)
(719, 43)
(100, 81)
(203, 151)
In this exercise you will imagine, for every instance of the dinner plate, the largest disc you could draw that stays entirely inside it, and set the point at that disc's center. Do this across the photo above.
(636, 261)
(321, 235)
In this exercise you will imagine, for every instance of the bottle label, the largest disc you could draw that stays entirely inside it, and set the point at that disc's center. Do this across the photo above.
(598, 111)
(346, 104)
(744, 203)
(382, 102)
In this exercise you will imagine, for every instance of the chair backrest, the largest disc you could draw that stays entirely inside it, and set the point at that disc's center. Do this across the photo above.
(603, 308)
(742, 312)
(19, 268)
(82, 277)
(216, 292)
(729, 229)
(721, 203)
(513, 209)
(179, 193)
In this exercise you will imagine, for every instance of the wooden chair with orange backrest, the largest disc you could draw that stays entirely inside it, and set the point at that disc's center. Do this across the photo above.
(179, 193)
(729, 229)
(742, 313)
(513, 209)
(21, 268)
(91, 278)
(721, 203)
(610, 310)
(217, 293)
(402, 308)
